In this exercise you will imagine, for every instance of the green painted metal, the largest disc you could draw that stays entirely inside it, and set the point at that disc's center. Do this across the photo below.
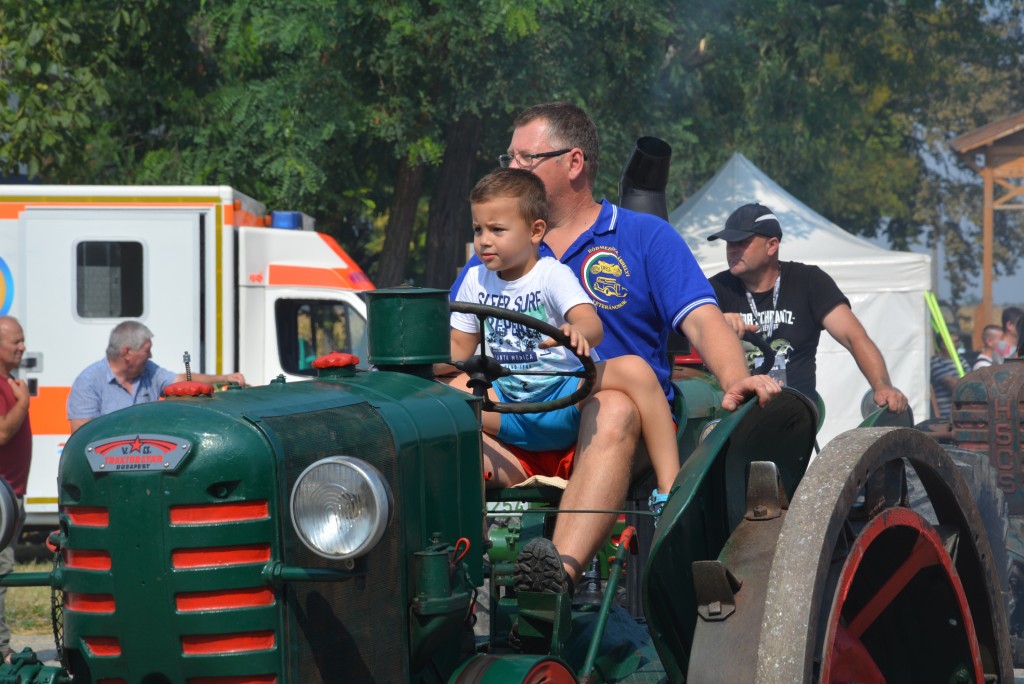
(408, 326)
(615, 572)
(708, 502)
(698, 401)
(544, 621)
(246, 447)
(25, 667)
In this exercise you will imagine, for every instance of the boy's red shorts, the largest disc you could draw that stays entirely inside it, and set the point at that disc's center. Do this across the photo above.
(552, 463)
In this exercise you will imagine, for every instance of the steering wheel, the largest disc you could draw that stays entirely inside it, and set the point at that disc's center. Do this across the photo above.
(766, 350)
(483, 370)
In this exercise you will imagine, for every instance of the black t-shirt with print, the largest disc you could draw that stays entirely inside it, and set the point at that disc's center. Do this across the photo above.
(806, 295)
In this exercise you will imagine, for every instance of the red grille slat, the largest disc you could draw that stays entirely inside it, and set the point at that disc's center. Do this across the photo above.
(88, 516)
(224, 600)
(206, 514)
(89, 603)
(214, 557)
(103, 647)
(244, 679)
(81, 559)
(212, 644)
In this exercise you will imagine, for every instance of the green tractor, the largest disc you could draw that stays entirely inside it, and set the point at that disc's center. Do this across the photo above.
(336, 530)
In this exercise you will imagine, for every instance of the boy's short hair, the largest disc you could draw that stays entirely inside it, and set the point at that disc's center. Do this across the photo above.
(517, 184)
(991, 333)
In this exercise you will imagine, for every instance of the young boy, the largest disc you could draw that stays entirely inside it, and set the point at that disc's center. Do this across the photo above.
(509, 219)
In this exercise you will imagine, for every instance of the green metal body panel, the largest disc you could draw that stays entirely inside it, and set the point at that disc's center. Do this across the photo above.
(708, 502)
(420, 312)
(397, 620)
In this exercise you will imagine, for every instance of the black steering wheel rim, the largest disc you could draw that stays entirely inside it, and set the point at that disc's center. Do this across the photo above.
(486, 364)
(767, 353)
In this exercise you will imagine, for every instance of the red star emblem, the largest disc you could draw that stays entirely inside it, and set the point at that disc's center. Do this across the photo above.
(136, 445)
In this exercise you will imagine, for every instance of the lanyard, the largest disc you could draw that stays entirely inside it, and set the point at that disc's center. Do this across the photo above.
(769, 327)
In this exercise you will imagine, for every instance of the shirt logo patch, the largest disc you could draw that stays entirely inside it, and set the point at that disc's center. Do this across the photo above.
(603, 275)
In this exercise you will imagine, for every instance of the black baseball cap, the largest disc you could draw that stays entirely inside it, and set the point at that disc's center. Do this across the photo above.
(750, 219)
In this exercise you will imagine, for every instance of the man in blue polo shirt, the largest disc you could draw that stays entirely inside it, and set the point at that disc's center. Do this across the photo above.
(644, 281)
(126, 376)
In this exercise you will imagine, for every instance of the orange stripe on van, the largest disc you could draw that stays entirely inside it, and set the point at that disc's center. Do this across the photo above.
(11, 210)
(48, 411)
(359, 279)
(313, 276)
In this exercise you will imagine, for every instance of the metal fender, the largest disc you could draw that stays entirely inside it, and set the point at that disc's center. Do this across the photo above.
(706, 504)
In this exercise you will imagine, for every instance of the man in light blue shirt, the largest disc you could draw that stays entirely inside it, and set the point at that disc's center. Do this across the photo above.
(127, 376)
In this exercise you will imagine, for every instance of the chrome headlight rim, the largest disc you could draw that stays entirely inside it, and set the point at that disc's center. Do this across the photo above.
(379, 490)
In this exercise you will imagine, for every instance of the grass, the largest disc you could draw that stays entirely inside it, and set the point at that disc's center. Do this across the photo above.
(28, 608)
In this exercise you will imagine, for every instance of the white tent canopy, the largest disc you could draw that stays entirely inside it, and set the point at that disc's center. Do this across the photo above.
(885, 288)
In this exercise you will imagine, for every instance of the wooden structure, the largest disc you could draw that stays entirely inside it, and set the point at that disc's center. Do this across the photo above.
(996, 152)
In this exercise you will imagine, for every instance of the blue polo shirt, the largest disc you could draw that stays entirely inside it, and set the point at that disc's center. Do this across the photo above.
(96, 392)
(641, 277)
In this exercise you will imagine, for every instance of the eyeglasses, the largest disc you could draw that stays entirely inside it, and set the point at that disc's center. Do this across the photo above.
(525, 161)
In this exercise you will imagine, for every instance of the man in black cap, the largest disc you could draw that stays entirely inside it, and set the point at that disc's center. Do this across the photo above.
(789, 304)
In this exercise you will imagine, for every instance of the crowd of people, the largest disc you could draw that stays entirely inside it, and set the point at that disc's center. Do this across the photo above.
(998, 343)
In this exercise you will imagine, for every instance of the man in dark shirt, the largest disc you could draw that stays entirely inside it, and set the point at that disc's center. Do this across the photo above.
(789, 304)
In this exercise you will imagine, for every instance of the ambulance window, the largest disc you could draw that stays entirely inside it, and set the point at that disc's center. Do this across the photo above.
(308, 328)
(109, 279)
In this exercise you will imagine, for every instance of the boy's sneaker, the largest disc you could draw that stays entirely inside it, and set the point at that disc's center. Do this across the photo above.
(656, 503)
(539, 568)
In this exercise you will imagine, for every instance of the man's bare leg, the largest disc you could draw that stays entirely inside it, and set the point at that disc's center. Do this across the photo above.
(602, 469)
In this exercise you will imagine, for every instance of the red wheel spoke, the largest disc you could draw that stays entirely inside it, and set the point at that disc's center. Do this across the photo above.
(847, 658)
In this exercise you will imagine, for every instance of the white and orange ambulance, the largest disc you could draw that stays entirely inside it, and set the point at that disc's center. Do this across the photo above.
(205, 268)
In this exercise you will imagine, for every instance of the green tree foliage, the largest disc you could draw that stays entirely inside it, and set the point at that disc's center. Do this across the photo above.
(850, 106)
(378, 117)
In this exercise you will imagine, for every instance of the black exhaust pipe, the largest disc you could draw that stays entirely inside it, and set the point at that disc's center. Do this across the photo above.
(642, 186)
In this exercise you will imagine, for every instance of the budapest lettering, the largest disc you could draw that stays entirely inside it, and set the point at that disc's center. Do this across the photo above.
(136, 452)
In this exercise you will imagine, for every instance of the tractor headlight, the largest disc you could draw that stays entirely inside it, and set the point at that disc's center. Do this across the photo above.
(340, 507)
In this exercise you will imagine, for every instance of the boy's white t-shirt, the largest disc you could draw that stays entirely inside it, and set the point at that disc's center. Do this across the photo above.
(547, 292)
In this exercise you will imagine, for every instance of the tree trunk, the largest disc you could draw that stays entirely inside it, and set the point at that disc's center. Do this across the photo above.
(394, 254)
(448, 224)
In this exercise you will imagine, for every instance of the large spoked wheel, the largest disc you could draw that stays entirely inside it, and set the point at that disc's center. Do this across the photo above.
(862, 588)
(483, 370)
